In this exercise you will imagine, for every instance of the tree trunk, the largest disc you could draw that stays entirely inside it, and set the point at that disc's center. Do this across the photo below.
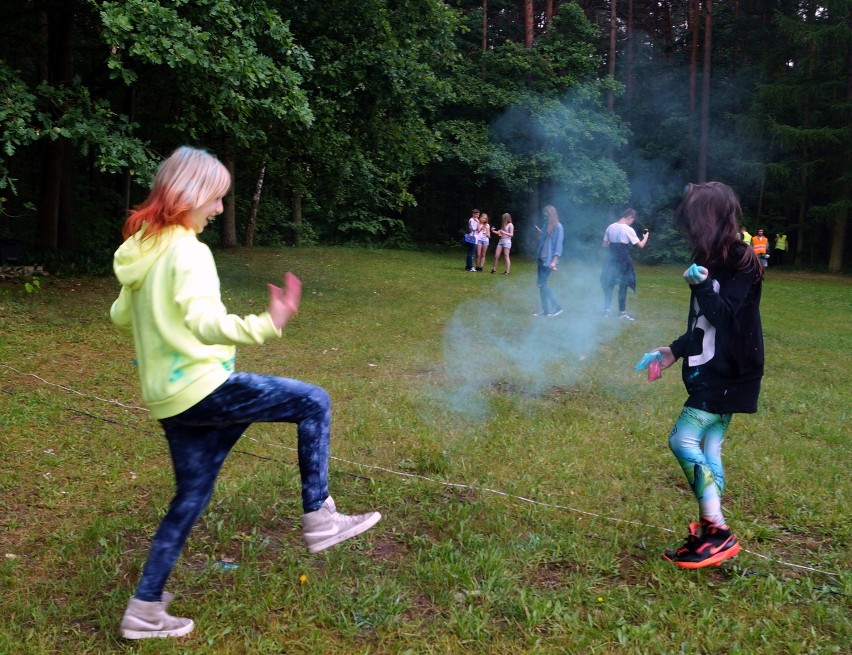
(529, 31)
(484, 25)
(67, 192)
(548, 13)
(613, 24)
(297, 216)
(838, 232)
(56, 67)
(800, 231)
(228, 235)
(255, 203)
(130, 112)
(669, 28)
(704, 143)
(838, 236)
(628, 76)
(51, 182)
(694, 15)
(533, 213)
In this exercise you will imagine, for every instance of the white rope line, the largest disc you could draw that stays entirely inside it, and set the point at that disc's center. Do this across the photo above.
(537, 502)
(460, 485)
(456, 485)
(53, 384)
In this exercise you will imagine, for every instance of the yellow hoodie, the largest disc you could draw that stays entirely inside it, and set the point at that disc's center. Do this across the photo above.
(183, 334)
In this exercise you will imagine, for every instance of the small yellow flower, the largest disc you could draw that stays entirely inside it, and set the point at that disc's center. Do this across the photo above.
(600, 599)
(303, 578)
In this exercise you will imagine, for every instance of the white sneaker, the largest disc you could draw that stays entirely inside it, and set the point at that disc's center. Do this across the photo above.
(556, 313)
(626, 316)
(144, 620)
(326, 526)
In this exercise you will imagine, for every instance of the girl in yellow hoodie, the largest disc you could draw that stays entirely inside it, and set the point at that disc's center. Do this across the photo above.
(185, 347)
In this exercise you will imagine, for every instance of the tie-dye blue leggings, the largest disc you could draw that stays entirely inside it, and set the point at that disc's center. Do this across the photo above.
(696, 441)
(201, 437)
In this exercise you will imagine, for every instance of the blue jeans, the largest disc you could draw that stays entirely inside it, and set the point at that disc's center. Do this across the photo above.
(471, 253)
(622, 297)
(200, 439)
(546, 293)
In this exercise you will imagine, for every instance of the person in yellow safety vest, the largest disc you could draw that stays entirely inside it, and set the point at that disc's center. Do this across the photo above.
(780, 248)
(760, 243)
(745, 236)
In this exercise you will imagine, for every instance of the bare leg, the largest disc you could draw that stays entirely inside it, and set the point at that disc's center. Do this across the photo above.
(496, 258)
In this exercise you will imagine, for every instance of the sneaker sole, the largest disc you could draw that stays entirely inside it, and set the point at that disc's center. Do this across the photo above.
(157, 634)
(716, 559)
(354, 531)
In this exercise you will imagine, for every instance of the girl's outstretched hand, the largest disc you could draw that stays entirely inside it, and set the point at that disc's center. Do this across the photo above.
(666, 357)
(695, 274)
(284, 302)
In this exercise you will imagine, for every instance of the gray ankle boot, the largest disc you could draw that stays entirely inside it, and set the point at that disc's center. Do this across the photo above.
(144, 620)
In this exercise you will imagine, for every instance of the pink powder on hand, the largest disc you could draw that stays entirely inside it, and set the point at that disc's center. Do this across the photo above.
(654, 371)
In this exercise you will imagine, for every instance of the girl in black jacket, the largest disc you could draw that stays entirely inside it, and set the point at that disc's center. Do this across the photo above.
(722, 352)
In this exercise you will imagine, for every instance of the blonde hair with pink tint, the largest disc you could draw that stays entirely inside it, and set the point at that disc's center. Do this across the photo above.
(188, 179)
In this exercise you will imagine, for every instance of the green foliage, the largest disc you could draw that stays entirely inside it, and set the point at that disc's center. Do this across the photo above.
(531, 119)
(378, 77)
(234, 66)
(388, 120)
(50, 112)
(33, 285)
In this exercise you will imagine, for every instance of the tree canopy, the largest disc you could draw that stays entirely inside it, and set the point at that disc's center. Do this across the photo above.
(384, 122)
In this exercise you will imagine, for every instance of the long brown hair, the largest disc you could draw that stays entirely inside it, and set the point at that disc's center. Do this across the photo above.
(552, 217)
(709, 215)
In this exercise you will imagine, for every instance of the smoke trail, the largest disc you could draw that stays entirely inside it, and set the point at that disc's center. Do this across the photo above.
(495, 344)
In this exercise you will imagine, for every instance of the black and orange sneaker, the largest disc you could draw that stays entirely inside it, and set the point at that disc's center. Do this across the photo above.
(706, 545)
(689, 545)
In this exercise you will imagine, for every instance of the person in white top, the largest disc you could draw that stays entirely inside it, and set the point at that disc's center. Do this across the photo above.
(504, 245)
(483, 238)
(470, 240)
(618, 239)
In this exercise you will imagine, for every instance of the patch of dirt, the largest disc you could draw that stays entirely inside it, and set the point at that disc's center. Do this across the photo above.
(385, 550)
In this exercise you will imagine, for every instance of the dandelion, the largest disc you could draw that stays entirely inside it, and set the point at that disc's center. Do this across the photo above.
(303, 578)
(600, 599)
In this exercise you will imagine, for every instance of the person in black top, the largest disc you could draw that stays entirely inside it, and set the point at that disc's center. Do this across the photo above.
(722, 352)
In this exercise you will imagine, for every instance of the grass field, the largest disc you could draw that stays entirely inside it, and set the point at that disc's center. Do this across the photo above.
(521, 465)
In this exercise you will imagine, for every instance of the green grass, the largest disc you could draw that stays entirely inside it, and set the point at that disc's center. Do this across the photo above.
(445, 391)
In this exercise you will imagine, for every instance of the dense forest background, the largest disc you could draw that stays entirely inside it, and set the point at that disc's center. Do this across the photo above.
(383, 122)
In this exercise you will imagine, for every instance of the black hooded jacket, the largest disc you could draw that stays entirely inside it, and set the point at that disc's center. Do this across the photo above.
(722, 349)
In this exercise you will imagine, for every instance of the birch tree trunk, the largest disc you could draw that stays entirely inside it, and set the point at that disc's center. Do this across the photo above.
(255, 203)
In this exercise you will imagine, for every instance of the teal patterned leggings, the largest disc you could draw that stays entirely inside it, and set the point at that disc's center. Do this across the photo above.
(696, 441)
